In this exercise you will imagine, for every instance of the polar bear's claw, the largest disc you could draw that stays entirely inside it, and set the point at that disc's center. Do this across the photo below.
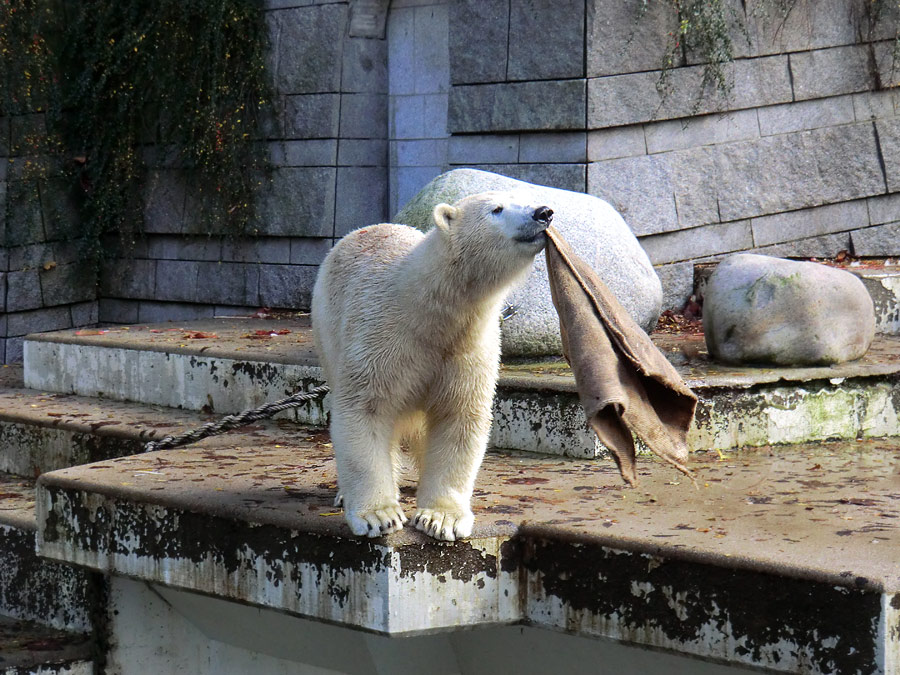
(378, 522)
(338, 500)
(444, 526)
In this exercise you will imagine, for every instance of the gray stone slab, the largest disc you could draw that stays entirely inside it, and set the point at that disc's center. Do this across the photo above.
(425, 152)
(362, 198)
(698, 242)
(176, 281)
(26, 132)
(829, 72)
(570, 177)
(164, 202)
(3, 298)
(807, 25)
(875, 104)
(307, 46)
(364, 66)
(298, 202)
(616, 143)
(889, 142)
(640, 188)
(23, 290)
(877, 241)
(38, 255)
(317, 152)
(84, 313)
(401, 29)
(484, 59)
(155, 312)
(129, 279)
(4, 136)
(406, 116)
(560, 147)
(798, 170)
(24, 222)
(406, 181)
(884, 209)
(309, 251)
(225, 283)
(629, 36)
(740, 125)
(364, 116)
(677, 281)
(257, 249)
(112, 310)
(792, 225)
(175, 247)
(286, 286)
(546, 40)
(60, 212)
(484, 149)
(434, 118)
(355, 152)
(824, 246)
(628, 99)
(38, 321)
(65, 284)
(14, 349)
(310, 116)
(815, 114)
(526, 106)
(431, 44)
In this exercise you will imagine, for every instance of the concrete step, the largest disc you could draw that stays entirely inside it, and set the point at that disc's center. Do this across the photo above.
(31, 588)
(225, 366)
(784, 558)
(27, 648)
(42, 431)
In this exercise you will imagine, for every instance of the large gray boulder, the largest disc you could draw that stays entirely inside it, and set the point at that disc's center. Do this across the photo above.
(764, 310)
(596, 232)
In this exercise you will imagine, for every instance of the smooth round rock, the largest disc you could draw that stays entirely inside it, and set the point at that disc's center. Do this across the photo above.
(593, 228)
(763, 310)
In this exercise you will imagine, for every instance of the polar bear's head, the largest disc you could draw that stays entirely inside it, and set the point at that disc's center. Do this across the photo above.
(505, 227)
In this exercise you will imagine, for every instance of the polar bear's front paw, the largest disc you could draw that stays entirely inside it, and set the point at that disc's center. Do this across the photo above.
(444, 525)
(377, 522)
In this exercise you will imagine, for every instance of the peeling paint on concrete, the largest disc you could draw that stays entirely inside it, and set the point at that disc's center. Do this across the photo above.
(357, 582)
(751, 618)
(884, 287)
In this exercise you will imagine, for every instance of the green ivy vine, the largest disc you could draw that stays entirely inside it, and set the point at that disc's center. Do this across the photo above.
(706, 30)
(101, 94)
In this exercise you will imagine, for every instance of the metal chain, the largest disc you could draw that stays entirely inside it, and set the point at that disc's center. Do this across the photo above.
(236, 421)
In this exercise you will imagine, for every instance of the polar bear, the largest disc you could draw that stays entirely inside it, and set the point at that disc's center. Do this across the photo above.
(407, 329)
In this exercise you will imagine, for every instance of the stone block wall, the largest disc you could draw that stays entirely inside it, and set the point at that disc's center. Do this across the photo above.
(800, 159)
(330, 139)
(377, 97)
(44, 285)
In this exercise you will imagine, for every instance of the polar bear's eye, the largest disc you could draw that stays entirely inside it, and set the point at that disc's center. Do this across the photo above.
(498, 209)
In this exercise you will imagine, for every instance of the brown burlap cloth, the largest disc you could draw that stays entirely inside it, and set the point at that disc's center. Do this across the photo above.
(625, 383)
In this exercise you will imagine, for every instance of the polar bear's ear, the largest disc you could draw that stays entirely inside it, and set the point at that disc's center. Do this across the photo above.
(443, 215)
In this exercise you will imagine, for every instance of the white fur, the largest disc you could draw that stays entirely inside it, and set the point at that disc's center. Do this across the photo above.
(407, 330)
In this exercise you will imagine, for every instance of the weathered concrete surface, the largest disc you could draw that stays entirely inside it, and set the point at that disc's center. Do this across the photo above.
(28, 648)
(31, 588)
(784, 558)
(536, 408)
(884, 286)
(42, 432)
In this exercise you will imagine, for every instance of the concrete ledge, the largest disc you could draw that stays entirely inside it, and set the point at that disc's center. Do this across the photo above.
(33, 589)
(536, 408)
(784, 559)
(29, 648)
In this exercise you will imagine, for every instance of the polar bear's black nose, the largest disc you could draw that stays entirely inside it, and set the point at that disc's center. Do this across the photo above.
(543, 214)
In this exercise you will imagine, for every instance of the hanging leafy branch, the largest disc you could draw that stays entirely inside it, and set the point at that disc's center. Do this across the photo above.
(129, 85)
(706, 30)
